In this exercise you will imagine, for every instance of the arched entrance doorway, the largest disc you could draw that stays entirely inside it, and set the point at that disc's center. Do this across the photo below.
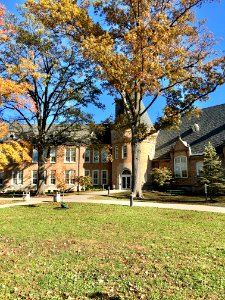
(126, 179)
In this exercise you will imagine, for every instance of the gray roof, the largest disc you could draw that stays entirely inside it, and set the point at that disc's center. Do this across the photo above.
(211, 125)
(74, 134)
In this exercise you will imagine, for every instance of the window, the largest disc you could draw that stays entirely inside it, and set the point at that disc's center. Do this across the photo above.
(1, 178)
(87, 173)
(199, 168)
(17, 177)
(70, 176)
(180, 166)
(124, 151)
(116, 152)
(87, 156)
(70, 155)
(95, 156)
(52, 177)
(104, 177)
(95, 177)
(34, 177)
(53, 155)
(104, 156)
(35, 156)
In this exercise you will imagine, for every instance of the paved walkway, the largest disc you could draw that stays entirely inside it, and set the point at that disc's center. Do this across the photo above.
(86, 198)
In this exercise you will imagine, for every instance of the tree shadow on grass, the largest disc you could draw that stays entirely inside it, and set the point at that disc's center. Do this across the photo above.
(60, 208)
(103, 296)
(30, 205)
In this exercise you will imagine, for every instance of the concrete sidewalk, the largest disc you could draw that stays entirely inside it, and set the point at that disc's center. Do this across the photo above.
(86, 198)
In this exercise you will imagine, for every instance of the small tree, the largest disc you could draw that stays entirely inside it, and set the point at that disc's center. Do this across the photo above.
(212, 173)
(84, 181)
(161, 176)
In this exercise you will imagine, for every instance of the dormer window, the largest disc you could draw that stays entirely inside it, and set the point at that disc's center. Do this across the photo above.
(180, 167)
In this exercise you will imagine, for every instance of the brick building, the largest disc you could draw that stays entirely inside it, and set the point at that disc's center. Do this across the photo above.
(180, 150)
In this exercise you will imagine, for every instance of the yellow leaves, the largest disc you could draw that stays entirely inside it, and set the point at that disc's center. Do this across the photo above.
(3, 129)
(61, 12)
(171, 118)
(9, 89)
(14, 151)
(26, 67)
(16, 92)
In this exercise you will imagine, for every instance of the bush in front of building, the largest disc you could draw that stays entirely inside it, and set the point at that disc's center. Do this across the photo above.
(161, 177)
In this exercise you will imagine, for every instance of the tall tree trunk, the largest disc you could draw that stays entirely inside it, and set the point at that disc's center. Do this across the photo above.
(136, 184)
(41, 172)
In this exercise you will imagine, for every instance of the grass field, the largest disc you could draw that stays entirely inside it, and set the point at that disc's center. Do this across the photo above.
(92, 251)
(154, 196)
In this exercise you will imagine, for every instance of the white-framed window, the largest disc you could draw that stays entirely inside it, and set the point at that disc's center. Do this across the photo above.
(116, 152)
(17, 177)
(70, 155)
(104, 156)
(95, 177)
(70, 176)
(34, 176)
(35, 156)
(124, 151)
(1, 178)
(95, 156)
(104, 177)
(87, 173)
(53, 155)
(199, 168)
(87, 155)
(52, 177)
(180, 166)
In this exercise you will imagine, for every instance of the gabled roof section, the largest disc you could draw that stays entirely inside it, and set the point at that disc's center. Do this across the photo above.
(181, 144)
(197, 132)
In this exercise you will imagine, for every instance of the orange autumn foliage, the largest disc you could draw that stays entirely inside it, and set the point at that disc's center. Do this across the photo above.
(10, 150)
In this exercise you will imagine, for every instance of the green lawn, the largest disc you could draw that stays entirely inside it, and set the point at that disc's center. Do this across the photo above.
(154, 196)
(92, 251)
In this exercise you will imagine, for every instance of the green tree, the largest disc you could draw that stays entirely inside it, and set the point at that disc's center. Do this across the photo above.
(161, 176)
(61, 84)
(146, 51)
(212, 174)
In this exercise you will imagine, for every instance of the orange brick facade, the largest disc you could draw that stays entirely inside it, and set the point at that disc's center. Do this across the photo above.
(86, 161)
(59, 168)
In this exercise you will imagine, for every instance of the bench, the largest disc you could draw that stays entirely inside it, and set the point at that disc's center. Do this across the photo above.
(175, 192)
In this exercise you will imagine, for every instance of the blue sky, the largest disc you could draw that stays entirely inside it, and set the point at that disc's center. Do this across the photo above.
(214, 12)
